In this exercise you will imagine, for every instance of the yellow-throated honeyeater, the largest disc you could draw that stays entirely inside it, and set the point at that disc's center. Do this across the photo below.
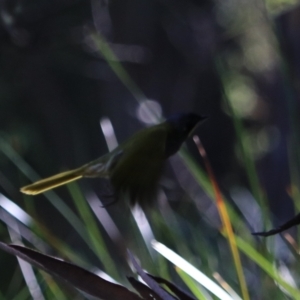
(135, 166)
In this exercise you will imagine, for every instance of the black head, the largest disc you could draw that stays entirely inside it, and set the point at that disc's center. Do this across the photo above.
(185, 123)
(182, 126)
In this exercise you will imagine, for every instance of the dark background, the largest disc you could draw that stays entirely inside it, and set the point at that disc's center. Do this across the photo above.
(185, 55)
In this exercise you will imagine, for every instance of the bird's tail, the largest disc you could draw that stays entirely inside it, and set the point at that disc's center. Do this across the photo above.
(52, 182)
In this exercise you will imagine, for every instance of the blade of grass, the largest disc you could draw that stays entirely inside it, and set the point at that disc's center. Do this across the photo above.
(16, 283)
(53, 291)
(108, 54)
(59, 205)
(225, 285)
(225, 220)
(33, 230)
(93, 231)
(52, 197)
(29, 276)
(22, 295)
(112, 60)
(191, 271)
(2, 296)
(56, 201)
(265, 265)
(57, 244)
(197, 292)
(204, 181)
(244, 149)
(197, 172)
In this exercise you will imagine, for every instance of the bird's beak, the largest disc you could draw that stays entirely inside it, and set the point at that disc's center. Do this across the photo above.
(201, 121)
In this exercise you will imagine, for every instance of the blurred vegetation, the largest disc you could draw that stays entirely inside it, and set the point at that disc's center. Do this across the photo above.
(68, 65)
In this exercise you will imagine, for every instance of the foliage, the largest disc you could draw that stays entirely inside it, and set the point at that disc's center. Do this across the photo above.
(199, 247)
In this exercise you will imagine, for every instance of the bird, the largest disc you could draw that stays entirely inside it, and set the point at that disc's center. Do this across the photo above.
(135, 166)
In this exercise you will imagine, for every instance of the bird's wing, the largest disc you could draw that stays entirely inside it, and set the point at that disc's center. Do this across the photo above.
(148, 143)
(139, 169)
(142, 146)
(102, 166)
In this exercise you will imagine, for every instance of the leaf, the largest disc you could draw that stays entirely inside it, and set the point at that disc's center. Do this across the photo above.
(225, 220)
(72, 274)
(293, 222)
(177, 291)
(146, 292)
(191, 270)
(151, 283)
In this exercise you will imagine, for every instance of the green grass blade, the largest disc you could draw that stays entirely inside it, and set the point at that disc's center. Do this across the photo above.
(112, 60)
(53, 290)
(191, 270)
(56, 201)
(92, 230)
(23, 294)
(267, 266)
(195, 289)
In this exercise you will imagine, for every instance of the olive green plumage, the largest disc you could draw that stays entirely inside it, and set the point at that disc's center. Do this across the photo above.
(135, 166)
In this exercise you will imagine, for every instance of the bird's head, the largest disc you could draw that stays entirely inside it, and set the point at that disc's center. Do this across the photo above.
(184, 124)
(181, 126)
